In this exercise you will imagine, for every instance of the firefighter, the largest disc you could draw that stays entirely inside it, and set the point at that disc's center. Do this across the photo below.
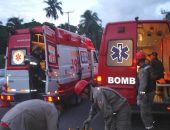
(36, 70)
(146, 90)
(157, 66)
(32, 114)
(115, 108)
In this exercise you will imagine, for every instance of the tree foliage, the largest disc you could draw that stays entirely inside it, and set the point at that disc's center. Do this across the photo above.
(90, 26)
(14, 22)
(3, 39)
(167, 14)
(53, 7)
(65, 26)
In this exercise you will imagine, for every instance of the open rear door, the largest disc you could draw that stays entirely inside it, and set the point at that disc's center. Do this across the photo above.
(17, 73)
(51, 59)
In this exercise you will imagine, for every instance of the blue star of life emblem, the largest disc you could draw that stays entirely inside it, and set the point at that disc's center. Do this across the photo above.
(119, 52)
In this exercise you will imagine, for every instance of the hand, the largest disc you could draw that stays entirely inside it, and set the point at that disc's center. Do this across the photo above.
(138, 102)
(86, 122)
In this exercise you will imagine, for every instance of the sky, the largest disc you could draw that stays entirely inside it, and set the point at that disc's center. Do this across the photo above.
(107, 10)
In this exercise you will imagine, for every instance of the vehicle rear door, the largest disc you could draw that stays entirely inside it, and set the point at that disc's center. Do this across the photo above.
(117, 64)
(51, 60)
(17, 73)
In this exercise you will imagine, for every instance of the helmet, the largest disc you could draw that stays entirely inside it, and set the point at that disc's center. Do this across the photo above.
(80, 86)
(140, 55)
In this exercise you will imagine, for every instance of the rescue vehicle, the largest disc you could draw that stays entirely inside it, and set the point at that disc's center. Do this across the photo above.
(68, 57)
(117, 56)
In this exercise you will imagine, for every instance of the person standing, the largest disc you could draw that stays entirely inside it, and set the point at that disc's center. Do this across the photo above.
(32, 114)
(36, 71)
(114, 107)
(146, 90)
(157, 66)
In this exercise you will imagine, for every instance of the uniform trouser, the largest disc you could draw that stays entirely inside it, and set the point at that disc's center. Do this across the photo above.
(122, 119)
(145, 109)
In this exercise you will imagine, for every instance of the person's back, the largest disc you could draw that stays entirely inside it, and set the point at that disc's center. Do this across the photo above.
(157, 70)
(32, 115)
(114, 98)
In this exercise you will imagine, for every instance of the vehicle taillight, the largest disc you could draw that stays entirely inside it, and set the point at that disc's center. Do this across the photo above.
(2, 97)
(6, 97)
(50, 99)
(99, 79)
(168, 108)
(9, 98)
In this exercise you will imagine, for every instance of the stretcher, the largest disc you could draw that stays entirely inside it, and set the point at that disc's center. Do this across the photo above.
(162, 92)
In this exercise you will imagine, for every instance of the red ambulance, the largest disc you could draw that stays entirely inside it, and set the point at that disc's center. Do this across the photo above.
(67, 58)
(117, 56)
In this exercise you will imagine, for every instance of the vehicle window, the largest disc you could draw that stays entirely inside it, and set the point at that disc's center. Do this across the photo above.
(120, 53)
(18, 56)
(38, 38)
(52, 54)
(95, 57)
(84, 56)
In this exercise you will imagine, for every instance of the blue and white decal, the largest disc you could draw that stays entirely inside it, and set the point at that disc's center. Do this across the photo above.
(120, 52)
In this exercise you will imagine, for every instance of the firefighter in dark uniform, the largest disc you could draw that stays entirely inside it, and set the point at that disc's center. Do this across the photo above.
(37, 73)
(146, 90)
(157, 66)
(115, 108)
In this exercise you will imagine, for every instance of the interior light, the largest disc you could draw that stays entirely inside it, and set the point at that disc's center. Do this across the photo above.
(140, 37)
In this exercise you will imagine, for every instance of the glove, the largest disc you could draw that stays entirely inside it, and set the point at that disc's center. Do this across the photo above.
(86, 127)
(142, 93)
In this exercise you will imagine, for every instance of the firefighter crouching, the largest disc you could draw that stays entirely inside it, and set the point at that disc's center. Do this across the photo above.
(146, 90)
(115, 109)
(32, 114)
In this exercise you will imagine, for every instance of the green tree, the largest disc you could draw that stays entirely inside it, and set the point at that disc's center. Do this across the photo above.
(167, 16)
(53, 7)
(166, 13)
(14, 23)
(65, 26)
(3, 43)
(90, 26)
(31, 24)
